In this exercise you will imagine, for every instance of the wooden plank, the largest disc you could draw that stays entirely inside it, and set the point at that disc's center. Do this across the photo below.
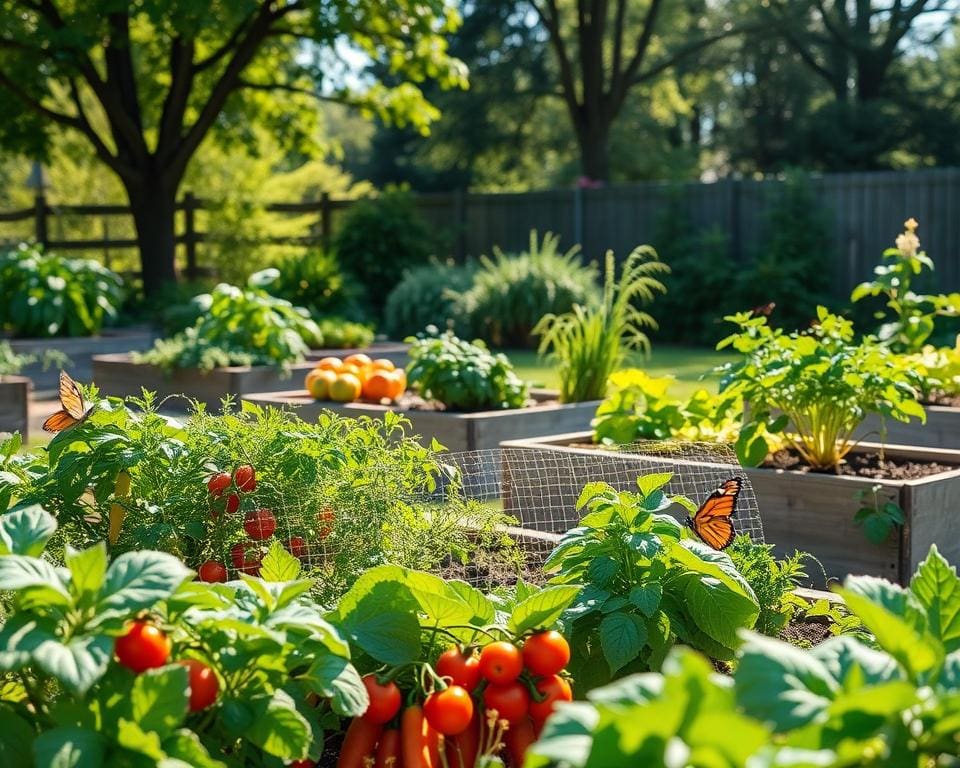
(14, 403)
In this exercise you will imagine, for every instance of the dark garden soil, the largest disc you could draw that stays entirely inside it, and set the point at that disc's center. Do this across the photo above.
(864, 465)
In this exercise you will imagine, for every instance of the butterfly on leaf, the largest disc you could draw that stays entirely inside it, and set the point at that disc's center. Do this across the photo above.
(712, 521)
(73, 409)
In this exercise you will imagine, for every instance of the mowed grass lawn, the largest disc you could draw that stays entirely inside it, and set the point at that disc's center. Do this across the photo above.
(685, 364)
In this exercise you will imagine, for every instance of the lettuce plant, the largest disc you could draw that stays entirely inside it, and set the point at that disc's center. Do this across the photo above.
(646, 583)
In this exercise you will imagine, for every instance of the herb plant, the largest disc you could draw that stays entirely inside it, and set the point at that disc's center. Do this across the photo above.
(42, 294)
(591, 341)
(646, 583)
(238, 326)
(463, 375)
(891, 701)
(914, 314)
(129, 663)
(771, 580)
(816, 386)
(313, 279)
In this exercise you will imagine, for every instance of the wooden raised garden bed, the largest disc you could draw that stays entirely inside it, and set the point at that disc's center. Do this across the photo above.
(812, 512)
(118, 375)
(81, 351)
(941, 430)
(473, 431)
(14, 404)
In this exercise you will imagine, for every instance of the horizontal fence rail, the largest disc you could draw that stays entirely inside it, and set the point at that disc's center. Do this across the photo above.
(863, 213)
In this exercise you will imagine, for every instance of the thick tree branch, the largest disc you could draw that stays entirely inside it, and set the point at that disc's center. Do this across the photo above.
(224, 49)
(664, 64)
(551, 20)
(175, 104)
(288, 88)
(643, 43)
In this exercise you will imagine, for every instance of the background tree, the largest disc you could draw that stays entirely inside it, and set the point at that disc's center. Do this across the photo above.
(145, 83)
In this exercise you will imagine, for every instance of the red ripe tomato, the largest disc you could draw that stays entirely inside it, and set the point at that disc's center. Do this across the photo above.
(501, 662)
(552, 688)
(306, 763)
(237, 554)
(245, 478)
(260, 524)
(511, 701)
(325, 521)
(449, 711)
(297, 546)
(143, 647)
(546, 653)
(462, 670)
(384, 700)
(232, 504)
(203, 684)
(218, 483)
(212, 571)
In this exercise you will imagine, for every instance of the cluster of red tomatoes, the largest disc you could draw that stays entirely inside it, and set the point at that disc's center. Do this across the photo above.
(491, 703)
(144, 646)
(246, 556)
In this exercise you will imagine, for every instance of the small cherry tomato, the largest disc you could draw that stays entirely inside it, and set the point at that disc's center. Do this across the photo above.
(385, 700)
(462, 670)
(212, 571)
(501, 662)
(218, 483)
(260, 524)
(297, 546)
(232, 503)
(143, 647)
(203, 684)
(546, 653)
(245, 478)
(511, 701)
(237, 554)
(449, 711)
(325, 520)
(552, 688)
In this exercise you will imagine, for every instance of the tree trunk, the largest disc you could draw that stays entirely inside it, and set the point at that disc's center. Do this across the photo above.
(154, 211)
(594, 144)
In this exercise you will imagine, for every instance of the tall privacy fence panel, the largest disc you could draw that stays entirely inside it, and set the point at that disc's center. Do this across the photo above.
(862, 211)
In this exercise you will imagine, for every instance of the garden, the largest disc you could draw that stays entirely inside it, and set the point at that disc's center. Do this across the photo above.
(361, 409)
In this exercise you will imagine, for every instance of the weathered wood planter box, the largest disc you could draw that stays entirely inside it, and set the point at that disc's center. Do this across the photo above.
(14, 404)
(473, 431)
(395, 351)
(812, 512)
(941, 430)
(81, 351)
(118, 375)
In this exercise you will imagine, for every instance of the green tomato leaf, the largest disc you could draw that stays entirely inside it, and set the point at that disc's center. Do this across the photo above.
(277, 728)
(278, 564)
(384, 623)
(36, 581)
(646, 597)
(69, 748)
(26, 531)
(185, 745)
(937, 588)
(159, 698)
(77, 664)
(132, 736)
(335, 678)
(542, 609)
(87, 570)
(622, 638)
(135, 581)
(16, 736)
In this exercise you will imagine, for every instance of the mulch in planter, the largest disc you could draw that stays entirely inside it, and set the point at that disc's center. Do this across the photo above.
(864, 465)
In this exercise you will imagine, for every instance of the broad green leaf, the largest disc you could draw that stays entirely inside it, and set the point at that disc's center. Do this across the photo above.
(335, 678)
(622, 637)
(441, 604)
(69, 748)
(79, 663)
(646, 597)
(20, 637)
(133, 737)
(87, 570)
(847, 658)
(159, 698)
(278, 564)
(590, 490)
(185, 745)
(384, 623)
(16, 736)
(137, 580)
(653, 482)
(277, 728)
(566, 737)
(26, 531)
(483, 610)
(36, 581)
(542, 609)
(602, 570)
(937, 588)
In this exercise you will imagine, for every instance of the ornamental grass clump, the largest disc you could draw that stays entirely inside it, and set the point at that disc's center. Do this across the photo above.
(815, 386)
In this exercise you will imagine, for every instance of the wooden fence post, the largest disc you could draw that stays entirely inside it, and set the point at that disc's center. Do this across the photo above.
(325, 233)
(190, 234)
(40, 218)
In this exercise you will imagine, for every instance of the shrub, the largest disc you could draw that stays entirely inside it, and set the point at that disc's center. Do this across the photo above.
(510, 293)
(43, 295)
(817, 384)
(12, 364)
(590, 342)
(771, 580)
(892, 700)
(238, 326)
(337, 333)
(463, 375)
(379, 239)
(427, 296)
(646, 583)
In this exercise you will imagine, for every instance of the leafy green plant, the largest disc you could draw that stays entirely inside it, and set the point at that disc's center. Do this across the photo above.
(463, 375)
(427, 296)
(940, 368)
(646, 583)
(11, 364)
(846, 702)
(771, 580)
(381, 237)
(914, 314)
(638, 407)
(591, 341)
(511, 292)
(816, 386)
(337, 333)
(315, 280)
(877, 515)
(75, 689)
(238, 326)
(42, 294)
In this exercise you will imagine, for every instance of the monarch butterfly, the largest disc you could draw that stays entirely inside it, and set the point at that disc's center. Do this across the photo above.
(712, 521)
(73, 409)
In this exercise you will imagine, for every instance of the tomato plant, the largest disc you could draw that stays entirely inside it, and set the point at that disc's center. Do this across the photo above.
(143, 646)
(501, 662)
(546, 653)
(449, 711)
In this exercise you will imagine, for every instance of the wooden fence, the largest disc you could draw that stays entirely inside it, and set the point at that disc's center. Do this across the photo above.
(862, 211)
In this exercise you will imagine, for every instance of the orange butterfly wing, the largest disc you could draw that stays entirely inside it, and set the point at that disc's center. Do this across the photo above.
(73, 409)
(712, 521)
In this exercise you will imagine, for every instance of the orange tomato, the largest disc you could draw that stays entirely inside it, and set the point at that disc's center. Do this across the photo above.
(345, 388)
(358, 359)
(329, 364)
(319, 383)
(382, 364)
(398, 383)
(378, 386)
